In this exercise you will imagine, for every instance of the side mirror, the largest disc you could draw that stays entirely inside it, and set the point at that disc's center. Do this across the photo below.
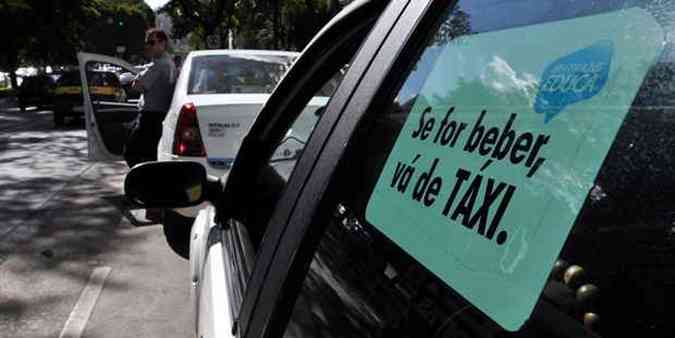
(168, 184)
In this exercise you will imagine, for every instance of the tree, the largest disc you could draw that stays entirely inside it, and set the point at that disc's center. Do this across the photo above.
(303, 19)
(456, 25)
(282, 24)
(15, 33)
(205, 18)
(259, 24)
(120, 23)
(41, 33)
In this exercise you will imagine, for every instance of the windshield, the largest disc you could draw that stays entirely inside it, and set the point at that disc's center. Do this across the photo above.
(244, 74)
(519, 183)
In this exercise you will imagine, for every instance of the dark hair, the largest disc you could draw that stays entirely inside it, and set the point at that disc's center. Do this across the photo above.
(157, 34)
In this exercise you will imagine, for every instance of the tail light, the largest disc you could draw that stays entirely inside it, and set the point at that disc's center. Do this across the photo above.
(188, 138)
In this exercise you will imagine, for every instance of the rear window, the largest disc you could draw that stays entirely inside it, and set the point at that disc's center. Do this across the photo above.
(246, 74)
(519, 183)
(104, 79)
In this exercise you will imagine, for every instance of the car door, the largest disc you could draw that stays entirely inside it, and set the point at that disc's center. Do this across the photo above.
(414, 222)
(109, 112)
(224, 246)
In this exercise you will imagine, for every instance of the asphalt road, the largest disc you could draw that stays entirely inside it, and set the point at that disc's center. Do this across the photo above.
(71, 263)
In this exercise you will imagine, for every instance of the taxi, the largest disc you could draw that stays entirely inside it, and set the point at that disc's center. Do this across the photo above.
(484, 169)
(68, 99)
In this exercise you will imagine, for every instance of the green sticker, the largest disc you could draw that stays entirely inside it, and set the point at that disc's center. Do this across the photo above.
(501, 148)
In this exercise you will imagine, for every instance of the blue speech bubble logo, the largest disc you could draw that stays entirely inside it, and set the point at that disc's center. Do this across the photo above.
(573, 78)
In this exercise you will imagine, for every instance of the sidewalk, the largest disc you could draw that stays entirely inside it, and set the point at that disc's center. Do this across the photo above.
(8, 102)
(81, 228)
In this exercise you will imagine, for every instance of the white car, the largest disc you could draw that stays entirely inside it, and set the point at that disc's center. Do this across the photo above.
(216, 99)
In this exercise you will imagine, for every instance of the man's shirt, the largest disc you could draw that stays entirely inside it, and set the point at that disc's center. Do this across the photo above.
(158, 83)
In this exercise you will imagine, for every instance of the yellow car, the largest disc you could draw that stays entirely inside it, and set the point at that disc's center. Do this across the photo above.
(105, 86)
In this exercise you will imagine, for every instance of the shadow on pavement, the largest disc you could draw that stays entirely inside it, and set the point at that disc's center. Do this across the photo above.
(60, 217)
(13, 119)
(130, 212)
(52, 253)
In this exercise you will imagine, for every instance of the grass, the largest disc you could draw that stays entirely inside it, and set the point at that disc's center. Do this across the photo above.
(6, 92)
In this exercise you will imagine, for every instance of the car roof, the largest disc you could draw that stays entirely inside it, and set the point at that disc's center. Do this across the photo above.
(243, 52)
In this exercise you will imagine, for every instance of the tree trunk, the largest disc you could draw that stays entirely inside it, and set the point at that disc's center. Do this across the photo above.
(276, 24)
(15, 86)
(222, 36)
(333, 7)
(13, 63)
(12, 78)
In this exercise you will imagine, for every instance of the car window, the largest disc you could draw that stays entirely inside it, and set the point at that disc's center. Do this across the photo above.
(277, 170)
(245, 74)
(274, 171)
(96, 79)
(284, 125)
(112, 80)
(518, 183)
(69, 79)
(290, 148)
(103, 79)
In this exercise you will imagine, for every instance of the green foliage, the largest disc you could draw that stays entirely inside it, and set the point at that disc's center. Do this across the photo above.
(119, 23)
(40, 33)
(204, 19)
(264, 24)
(458, 24)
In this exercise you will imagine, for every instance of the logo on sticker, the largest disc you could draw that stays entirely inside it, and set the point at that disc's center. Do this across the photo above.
(573, 78)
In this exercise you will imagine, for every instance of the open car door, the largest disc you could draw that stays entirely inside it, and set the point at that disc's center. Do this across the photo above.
(110, 104)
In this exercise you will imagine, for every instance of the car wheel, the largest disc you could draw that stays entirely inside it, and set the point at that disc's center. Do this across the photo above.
(177, 232)
(59, 119)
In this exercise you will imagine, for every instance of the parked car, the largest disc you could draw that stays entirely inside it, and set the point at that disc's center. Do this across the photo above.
(218, 94)
(36, 91)
(104, 86)
(217, 97)
(485, 169)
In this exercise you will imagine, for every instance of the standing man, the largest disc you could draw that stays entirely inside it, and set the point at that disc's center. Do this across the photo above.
(156, 85)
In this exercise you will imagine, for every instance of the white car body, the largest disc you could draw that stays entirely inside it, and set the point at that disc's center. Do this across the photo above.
(207, 272)
(224, 119)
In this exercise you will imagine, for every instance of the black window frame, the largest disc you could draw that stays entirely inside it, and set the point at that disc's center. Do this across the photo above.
(289, 242)
(272, 123)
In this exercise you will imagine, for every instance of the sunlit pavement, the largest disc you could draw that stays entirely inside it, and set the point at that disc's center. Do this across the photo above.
(71, 263)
